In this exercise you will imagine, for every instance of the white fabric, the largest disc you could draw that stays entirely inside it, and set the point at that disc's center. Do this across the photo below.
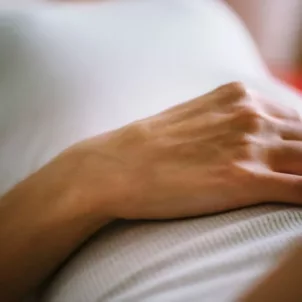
(68, 72)
(211, 259)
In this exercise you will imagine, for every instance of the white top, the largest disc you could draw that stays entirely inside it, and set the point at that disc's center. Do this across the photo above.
(72, 71)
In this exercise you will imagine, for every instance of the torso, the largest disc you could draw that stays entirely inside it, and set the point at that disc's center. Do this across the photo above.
(78, 71)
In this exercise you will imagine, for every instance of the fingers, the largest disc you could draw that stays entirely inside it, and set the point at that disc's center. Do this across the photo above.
(277, 110)
(283, 188)
(287, 158)
(291, 130)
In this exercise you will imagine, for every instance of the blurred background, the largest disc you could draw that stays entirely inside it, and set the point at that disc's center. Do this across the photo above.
(276, 26)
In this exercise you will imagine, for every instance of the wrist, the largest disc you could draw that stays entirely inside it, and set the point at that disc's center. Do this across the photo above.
(43, 219)
(55, 191)
(100, 181)
(93, 183)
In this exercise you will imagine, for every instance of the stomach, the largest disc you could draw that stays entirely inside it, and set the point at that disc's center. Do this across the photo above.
(73, 71)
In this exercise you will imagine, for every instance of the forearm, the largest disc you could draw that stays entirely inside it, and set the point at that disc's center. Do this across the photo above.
(282, 284)
(42, 220)
(146, 170)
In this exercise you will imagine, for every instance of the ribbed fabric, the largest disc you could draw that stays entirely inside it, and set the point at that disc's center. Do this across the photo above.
(213, 258)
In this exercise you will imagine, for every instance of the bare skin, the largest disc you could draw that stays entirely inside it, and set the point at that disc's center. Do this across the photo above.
(227, 149)
(282, 284)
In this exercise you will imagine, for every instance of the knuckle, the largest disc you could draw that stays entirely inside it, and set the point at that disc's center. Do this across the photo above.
(231, 93)
(237, 89)
(295, 115)
(133, 133)
(250, 119)
(245, 140)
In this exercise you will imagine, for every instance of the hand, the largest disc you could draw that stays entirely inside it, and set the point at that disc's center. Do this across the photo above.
(226, 149)
(229, 148)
